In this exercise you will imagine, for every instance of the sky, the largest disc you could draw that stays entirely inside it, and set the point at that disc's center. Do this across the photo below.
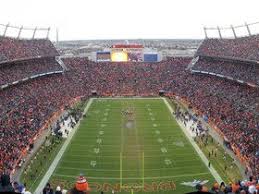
(128, 19)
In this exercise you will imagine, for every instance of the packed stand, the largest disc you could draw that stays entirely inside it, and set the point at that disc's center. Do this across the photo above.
(247, 72)
(239, 48)
(12, 72)
(17, 49)
(250, 186)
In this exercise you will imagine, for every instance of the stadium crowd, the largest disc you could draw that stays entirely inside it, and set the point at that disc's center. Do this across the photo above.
(15, 49)
(25, 108)
(240, 48)
(14, 72)
(248, 72)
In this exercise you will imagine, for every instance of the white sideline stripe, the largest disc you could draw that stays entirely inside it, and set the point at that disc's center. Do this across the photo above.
(59, 155)
(136, 178)
(196, 147)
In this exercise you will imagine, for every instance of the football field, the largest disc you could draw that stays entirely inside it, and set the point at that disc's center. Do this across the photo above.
(131, 146)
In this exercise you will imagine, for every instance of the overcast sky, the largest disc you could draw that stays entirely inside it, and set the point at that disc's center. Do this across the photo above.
(127, 19)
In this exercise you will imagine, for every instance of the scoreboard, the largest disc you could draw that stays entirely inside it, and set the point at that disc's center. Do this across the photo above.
(127, 53)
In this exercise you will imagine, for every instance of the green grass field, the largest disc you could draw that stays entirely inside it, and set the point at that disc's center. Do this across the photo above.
(228, 170)
(131, 145)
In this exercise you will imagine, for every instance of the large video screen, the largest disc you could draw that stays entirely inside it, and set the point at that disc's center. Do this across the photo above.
(103, 56)
(135, 56)
(119, 56)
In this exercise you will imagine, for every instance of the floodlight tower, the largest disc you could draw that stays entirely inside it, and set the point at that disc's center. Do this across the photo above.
(57, 38)
(248, 29)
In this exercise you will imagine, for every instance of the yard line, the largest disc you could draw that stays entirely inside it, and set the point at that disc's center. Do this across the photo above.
(137, 178)
(143, 167)
(121, 145)
(120, 169)
(137, 138)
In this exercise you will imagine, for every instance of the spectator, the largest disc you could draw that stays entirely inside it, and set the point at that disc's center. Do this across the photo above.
(48, 189)
(58, 190)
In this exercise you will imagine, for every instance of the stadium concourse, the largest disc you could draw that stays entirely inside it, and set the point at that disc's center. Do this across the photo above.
(221, 85)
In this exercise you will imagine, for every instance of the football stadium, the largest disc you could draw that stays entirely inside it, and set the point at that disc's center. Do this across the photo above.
(129, 116)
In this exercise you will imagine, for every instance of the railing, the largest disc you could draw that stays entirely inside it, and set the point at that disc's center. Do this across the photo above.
(226, 77)
(232, 28)
(22, 28)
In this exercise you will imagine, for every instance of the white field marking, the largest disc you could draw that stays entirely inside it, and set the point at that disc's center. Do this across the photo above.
(112, 170)
(97, 150)
(147, 137)
(97, 111)
(162, 124)
(99, 141)
(157, 132)
(168, 161)
(137, 178)
(196, 147)
(163, 150)
(60, 154)
(143, 168)
(77, 152)
(130, 98)
(84, 162)
(154, 125)
(121, 169)
(160, 140)
(179, 144)
(149, 156)
(121, 146)
(93, 163)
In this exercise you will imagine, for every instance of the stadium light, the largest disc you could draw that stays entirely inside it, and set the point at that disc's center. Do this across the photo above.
(20, 31)
(248, 29)
(233, 30)
(6, 27)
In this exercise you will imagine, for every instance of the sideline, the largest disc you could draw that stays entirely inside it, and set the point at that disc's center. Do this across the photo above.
(60, 154)
(195, 146)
